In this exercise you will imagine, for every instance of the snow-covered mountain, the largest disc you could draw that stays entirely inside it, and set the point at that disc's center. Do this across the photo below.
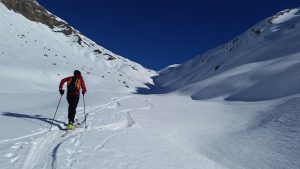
(261, 64)
(130, 131)
(37, 49)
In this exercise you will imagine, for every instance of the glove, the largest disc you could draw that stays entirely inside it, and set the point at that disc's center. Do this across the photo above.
(61, 91)
(83, 92)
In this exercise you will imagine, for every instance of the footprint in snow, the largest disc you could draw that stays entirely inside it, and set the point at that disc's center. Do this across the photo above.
(9, 155)
(18, 145)
(77, 143)
(15, 147)
(13, 157)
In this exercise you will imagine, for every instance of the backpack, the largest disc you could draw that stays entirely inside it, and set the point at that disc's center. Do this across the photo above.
(74, 85)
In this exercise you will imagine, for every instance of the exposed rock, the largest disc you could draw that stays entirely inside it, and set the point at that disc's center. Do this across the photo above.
(79, 40)
(217, 67)
(134, 68)
(110, 57)
(292, 27)
(281, 13)
(37, 13)
(97, 51)
(256, 31)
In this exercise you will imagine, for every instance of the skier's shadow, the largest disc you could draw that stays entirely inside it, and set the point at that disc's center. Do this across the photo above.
(35, 117)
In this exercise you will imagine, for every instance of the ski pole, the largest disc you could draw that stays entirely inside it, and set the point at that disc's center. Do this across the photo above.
(55, 112)
(84, 111)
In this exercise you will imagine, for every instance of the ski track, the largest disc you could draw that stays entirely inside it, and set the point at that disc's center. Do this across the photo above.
(105, 141)
(54, 151)
(124, 120)
(36, 156)
(43, 151)
(24, 137)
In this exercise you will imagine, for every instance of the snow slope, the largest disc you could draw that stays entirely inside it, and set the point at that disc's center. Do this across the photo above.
(34, 57)
(127, 131)
(131, 131)
(261, 64)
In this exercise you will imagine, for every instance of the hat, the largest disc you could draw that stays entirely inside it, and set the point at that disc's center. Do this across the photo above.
(77, 72)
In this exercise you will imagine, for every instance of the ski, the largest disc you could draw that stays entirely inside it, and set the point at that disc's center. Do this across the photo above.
(77, 125)
(67, 132)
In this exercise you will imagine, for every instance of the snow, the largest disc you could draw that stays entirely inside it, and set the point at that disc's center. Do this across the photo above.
(42, 56)
(167, 69)
(286, 16)
(252, 67)
(243, 114)
(137, 131)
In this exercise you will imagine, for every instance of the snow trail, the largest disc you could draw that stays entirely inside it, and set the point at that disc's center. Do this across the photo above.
(24, 137)
(45, 148)
(242, 118)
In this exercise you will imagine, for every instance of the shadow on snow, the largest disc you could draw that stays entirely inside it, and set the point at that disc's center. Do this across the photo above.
(152, 88)
(35, 117)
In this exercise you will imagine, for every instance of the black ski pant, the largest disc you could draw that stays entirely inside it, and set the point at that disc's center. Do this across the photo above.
(73, 102)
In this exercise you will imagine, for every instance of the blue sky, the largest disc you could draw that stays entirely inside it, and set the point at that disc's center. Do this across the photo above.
(158, 33)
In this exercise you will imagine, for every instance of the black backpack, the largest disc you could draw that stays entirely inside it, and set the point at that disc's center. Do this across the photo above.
(72, 85)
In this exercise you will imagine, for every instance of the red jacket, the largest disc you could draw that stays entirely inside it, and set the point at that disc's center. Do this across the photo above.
(69, 79)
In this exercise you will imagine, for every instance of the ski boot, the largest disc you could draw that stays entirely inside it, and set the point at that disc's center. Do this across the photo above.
(71, 126)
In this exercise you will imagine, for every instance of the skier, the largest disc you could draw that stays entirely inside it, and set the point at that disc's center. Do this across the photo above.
(74, 83)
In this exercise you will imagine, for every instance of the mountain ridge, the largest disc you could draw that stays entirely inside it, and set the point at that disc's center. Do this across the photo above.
(270, 39)
(47, 46)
